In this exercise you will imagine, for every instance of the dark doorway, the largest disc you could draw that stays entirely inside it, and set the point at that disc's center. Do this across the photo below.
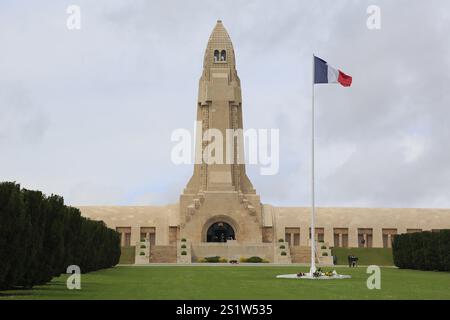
(220, 232)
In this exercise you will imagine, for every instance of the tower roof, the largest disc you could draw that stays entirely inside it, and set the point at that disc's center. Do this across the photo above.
(219, 40)
(219, 36)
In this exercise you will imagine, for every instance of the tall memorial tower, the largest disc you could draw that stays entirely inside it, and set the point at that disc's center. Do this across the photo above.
(219, 203)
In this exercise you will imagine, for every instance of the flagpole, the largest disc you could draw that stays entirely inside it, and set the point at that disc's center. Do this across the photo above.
(313, 209)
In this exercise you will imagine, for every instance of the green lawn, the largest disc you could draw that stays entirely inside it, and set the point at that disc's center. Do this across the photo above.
(367, 256)
(238, 282)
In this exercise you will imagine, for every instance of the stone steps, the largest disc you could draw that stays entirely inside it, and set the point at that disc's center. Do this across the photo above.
(163, 254)
(300, 254)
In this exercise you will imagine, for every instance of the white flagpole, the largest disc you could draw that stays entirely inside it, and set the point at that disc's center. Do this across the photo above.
(313, 209)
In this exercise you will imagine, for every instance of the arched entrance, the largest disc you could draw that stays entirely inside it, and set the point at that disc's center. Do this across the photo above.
(220, 232)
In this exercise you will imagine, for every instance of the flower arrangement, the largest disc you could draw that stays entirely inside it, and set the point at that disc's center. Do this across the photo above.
(319, 274)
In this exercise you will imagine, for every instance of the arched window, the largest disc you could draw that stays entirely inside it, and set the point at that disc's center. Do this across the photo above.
(216, 55)
(223, 56)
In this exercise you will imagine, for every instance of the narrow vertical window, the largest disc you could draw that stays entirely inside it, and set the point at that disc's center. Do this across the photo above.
(216, 55)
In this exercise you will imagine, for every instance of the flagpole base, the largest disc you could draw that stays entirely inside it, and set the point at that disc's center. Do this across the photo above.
(315, 276)
(312, 270)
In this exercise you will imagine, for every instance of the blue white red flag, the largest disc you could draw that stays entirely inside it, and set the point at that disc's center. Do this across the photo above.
(324, 73)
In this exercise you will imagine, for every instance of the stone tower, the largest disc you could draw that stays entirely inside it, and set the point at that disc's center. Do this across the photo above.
(220, 195)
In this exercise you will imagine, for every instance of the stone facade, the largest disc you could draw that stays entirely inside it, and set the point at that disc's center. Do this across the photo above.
(283, 220)
(220, 213)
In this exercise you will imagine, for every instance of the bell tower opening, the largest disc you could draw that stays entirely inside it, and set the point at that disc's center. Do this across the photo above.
(220, 232)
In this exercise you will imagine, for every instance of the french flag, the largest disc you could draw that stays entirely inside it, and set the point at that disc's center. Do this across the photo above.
(324, 73)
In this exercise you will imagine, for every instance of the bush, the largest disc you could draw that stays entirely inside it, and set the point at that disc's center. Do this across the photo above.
(280, 240)
(142, 253)
(183, 240)
(283, 253)
(323, 247)
(253, 260)
(422, 250)
(215, 259)
(325, 254)
(41, 237)
(223, 260)
(183, 246)
(143, 246)
(282, 247)
(183, 253)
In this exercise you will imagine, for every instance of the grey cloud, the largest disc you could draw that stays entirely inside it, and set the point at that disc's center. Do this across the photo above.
(21, 120)
(103, 101)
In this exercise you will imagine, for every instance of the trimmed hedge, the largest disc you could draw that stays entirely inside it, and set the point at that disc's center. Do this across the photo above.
(422, 250)
(253, 260)
(41, 237)
(215, 259)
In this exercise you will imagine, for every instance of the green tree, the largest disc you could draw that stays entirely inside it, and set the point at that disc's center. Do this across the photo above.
(13, 230)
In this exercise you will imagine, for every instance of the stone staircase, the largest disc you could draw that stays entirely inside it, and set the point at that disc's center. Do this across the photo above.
(163, 254)
(303, 254)
(300, 254)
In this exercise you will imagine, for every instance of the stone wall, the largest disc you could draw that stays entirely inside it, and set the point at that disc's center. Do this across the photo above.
(278, 219)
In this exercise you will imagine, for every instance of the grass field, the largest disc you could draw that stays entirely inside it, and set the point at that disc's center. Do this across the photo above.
(367, 256)
(238, 282)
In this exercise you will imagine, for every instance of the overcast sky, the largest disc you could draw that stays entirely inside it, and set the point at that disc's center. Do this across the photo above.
(88, 114)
